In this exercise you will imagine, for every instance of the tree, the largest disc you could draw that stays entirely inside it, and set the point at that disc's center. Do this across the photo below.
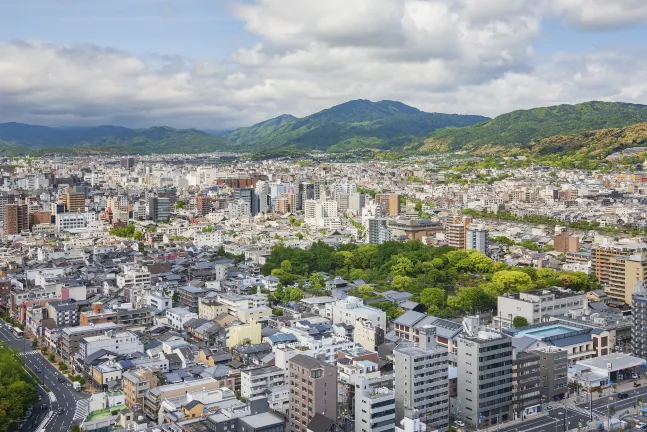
(317, 281)
(402, 267)
(612, 410)
(51, 358)
(519, 321)
(138, 235)
(179, 204)
(76, 428)
(17, 388)
(401, 283)
(471, 300)
(513, 280)
(175, 297)
(434, 300)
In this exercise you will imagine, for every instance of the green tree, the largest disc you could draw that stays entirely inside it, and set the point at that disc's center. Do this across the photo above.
(403, 266)
(471, 300)
(17, 388)
(317, 280)
(401, 283)
(434, 300)
(519, 321)
(137, 235)
(175, 298)
(513, 280)
(179, 204)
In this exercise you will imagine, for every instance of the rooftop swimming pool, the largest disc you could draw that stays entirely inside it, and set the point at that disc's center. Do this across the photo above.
(542, 332)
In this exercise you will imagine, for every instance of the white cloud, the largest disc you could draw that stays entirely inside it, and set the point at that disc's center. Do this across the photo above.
(600, 14)
(465, 56)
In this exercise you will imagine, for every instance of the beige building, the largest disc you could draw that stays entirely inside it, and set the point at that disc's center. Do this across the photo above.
(618, 266)
(154, 398)
(456, 229)
(390, 204)
(367, 335)
(313, 390)
(564, 242)
(210, 308)
(136, 384)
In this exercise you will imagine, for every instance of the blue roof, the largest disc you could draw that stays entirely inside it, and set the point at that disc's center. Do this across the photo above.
(282, 337)
(572, 340)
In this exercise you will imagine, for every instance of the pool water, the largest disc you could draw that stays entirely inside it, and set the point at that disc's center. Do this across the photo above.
(543, 332)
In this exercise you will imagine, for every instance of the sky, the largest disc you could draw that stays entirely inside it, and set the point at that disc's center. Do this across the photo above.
(222, 64)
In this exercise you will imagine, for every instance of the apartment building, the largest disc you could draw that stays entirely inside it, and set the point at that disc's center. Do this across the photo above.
(639, 321)
(119, 343)
(564, 242)
(484, 380)
(16, 218)
(71, 337)
(254, 382)
(456, 229)
(538, 305)
(210, 308)
(526, 384)
(422, 380)
(179, 316)
(374, 409)
(313, 390)
(477, 238)
(133, 277)
(74, 201)
(65, 313)
(153, 399)
(610, 267)
(190, 296)
(390, 204)
(136, 384)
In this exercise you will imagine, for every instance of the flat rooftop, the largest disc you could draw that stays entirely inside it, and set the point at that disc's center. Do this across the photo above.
(547, 331)
(616, 360)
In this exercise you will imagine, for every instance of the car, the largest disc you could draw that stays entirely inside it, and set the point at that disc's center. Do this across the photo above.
(623, 395)
(61, 379)
(459, 423)
(61, 410)
(39, 370)
(44, 407)
(634, 376)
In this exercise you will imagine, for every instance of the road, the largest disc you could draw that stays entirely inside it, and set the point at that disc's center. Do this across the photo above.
(74, 403)
(579, 413)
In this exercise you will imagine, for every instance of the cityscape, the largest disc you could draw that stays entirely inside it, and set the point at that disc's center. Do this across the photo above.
(302, 216)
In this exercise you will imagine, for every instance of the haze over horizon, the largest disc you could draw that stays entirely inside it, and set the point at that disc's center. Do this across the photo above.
(215, 64)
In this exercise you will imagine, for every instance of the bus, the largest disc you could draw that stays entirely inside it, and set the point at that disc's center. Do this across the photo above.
(16, 332)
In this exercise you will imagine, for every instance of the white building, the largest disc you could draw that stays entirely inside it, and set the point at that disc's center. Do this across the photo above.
(117, 342)
(178, 316)
(159, 300)
(322, 214)
(72, 221)
(351, 309)
(374, 408)
(476, 238)
(254, 382)
(212, 239)
(134, 277)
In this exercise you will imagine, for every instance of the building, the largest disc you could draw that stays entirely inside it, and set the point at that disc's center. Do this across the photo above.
(322, 214)
(127, 162)
(313, 390)
(422, 380)
(190, 296)
(378, 231)
(484, 380)
(412, 229)
(74, 201)
(203, 205)
(553, 362)
(368, 336)
(639, 321)
(249, 197)
(65, 313)
(159, 208)
(74, 221)
(476, 238)
(374, 408)
(154, 398)
(609, 266)
(351, 309)
(390, 204)
(456, 231)
(538, 305)
(254, 382)
(526, 384)
(120, 343)
(71, 337)
(136, 384)
(564, 242)
(16, 218)
(179, 316)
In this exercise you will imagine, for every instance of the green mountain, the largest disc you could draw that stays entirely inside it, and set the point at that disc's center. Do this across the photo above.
(18, 138)
(522, 128)
(351, 125)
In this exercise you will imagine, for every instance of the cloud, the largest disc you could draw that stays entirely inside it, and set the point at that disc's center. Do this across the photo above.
(600, 14)
(463, 56)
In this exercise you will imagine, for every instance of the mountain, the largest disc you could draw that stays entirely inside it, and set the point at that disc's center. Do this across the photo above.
(351, 125)
(597, 143)
(522, 128)
(23, 138)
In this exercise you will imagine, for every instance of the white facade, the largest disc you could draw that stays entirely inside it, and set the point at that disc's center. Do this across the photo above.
(117, 342)
(538, 305)
(476, 238)
(177, 317)
(254, 382)
(374, 409)
(351, 309)
(71, 221)
(158, 300)
(322, 214)
(213, 239)
(134, 277)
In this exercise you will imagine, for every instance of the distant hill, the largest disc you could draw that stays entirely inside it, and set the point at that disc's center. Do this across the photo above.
(16, 138)
(520, 129)
(351, 125)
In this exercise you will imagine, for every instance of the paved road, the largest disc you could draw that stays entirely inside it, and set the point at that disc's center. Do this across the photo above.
(74, 403)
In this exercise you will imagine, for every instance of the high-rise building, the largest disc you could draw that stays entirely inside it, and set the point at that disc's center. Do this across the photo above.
(390, 204)
(203, 206)
(319, 188)
(16, 218)
(618, 266)
(378, 232)
(374, 408)
(74, 201)
(456, 230)
(484, 382)
(313, 390)
(476, 238)
(526, 384)
(421, 380)
(127, 162)
(565, 242)
(159, 208)
(356, 202)
(249, 196)
(306, 192)
(553, 364)
(639, 316)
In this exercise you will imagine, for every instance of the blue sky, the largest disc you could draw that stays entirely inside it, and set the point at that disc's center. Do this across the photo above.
(222, 64)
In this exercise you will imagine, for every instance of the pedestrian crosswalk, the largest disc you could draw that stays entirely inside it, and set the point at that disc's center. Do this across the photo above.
(82, 408)
(27, 353)
(579, 410)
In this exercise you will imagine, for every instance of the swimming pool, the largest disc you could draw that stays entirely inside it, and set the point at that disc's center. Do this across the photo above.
(542, 332)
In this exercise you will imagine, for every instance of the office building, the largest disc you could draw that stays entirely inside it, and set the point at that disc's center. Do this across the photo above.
(609, 266)
(639, 321)
(71, 337)
(476, 238)
(356, 202)
(422, 381)
(313, 390)
(526, 384)
(136, 384)
(127, 162)
(390, 204)
(564, 242)
(484, 380)
(120, 343)
(456, 231)
(74, 200)
(305, 193)
(16, 218)
(248, 196)
(203, 205)
(553, 362)
(374, 408)
(159, 208)
(351, 309)
(538, 305)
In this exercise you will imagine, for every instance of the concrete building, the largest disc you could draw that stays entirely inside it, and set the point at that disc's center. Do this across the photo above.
(64, 313)
(421, 380)
(639, 321)
(374, 409)
(609, 266)
(249, 197)
(538, 305)
(564, 242)
(190, 296)
(553, 363)
(119, 343)
(179, 316)
(526, 384)
(313, 390)
(16, 218)
(390, 204)
(484, 380)
(476, 238)
(154, 398)
(136, 384)
(71, 337)
(378, 232)
(352, 309)
(456, 230)
(254, 382)
(159, 208)
(74, 201)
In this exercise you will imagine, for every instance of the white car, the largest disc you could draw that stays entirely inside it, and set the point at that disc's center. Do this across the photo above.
(634, 376)
(459, 423)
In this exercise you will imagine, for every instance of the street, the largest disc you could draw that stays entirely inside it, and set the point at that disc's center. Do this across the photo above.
(74, 403)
